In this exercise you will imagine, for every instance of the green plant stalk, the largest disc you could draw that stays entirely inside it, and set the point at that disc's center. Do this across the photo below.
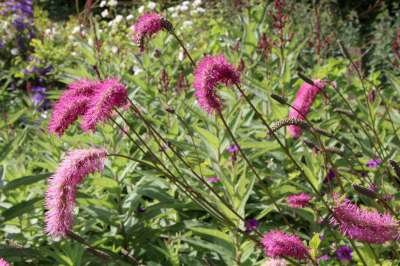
(293, 160)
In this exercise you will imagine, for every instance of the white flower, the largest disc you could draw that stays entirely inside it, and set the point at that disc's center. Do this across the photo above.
(129, 17)
(181, 56)
(196, 3)
(14, 51)
(114, 49)
(103, 3)
(112, 3)
(174, 15)
(118, 19)
(74, 54)
(47, 31)
(151, 5)
(90, 42)
(141, 9)
(171, 9)
(187, 24)
(136, 70)
(183, 8)
(200, 10)
(185, 3)
(104, 13)
(76, 29)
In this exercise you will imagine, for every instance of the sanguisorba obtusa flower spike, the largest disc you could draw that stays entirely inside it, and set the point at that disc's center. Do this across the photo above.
(3, 262)
(62, 186)
(280, 244)
(209, 73)
(147, 25)
(72, 104)
(364, 225)
(298, 200)
(109, 94)
(304, 99)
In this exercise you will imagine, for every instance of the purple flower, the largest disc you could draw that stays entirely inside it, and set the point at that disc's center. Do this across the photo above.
(232, 148)
(251, 225)
(323, 258)
(39, 95)
(330, 176)
(373, 163)
(213, 179)
(279, 244)
(343, 253)
(298, 200)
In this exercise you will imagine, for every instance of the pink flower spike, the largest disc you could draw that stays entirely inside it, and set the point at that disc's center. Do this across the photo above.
(279, 244)
(147, 25)
(364, 225)
(3, 262)
(298, 200)
(304, 99)
(109, 95)
(209, 73)
(71, 104)
(62, 186)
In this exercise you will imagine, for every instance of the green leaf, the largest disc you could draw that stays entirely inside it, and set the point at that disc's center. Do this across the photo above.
(25, 180)
(19, 209)
(314, 244)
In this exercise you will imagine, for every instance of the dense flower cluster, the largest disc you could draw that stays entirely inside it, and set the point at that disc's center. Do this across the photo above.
(343, 253)
(3, 262)
(302, 103)
(279, 244)
(93, 100)
(364, 225)
(62, 186)
(298, 200)
(209, 73)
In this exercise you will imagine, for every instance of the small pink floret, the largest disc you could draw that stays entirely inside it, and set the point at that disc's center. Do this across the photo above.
(304, 99)
(279, 244)
(298, 200)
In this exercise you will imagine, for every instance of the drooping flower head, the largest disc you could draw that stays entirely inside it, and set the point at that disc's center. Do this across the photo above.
(278, 244)
(209, 73)
(302, 102)
(298, 200)
(364, 225)
(62, 186)
(147, 25)
(109, 94)
(343, 253)
(72, 104)
(3, 262)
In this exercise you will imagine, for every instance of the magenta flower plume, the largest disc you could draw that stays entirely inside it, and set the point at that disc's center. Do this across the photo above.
(62, 186)
(279, 244)
(147, 25)
(108, 95)
(298, 200)
(364, 225)
(210, 72)
(72, 104)
(3, 262)
(302, 102)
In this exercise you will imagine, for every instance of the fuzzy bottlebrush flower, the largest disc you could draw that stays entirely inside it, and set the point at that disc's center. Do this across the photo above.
(108, 95)
(72, 104)
(210, 72)
(62, 186)
(213, 179)
(298, 200)
(147, 25)
(303, 101)
(278, 244)
(364, 225)
(3, 262)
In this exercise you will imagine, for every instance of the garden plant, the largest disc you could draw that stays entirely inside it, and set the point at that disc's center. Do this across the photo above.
(199, 133)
